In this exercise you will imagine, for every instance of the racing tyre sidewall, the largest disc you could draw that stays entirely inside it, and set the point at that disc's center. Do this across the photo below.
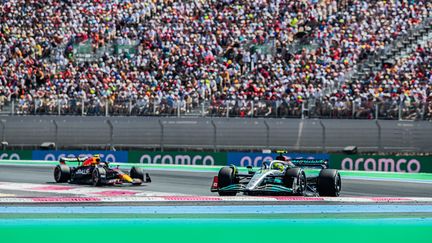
(226, 177)
(96, 176)
(295, 178)
(137, 173)
(62, 173)
(329, 183)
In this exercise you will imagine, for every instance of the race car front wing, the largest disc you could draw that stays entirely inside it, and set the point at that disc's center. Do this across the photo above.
(268, 188)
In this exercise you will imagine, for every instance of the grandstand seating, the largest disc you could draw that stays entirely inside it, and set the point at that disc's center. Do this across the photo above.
(263, 58)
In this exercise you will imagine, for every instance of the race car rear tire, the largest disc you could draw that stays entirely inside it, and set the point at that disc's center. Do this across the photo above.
(329, 183)
(97, 176)
(137, 173)
(298, 176)
(226, 177)
(62, 173)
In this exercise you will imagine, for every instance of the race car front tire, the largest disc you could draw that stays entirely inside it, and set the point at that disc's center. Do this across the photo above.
(137, 173)
(226, 177)
(329, 183)
(298, 176)
(97, 174)
(62, 173)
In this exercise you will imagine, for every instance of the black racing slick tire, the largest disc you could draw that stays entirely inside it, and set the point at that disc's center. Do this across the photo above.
(296, 177)
(226, 177)
(97, 176)
(137, 173)
(329, 183)
(62, 173)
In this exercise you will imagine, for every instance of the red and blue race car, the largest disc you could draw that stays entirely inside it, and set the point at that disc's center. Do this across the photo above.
(97, 173)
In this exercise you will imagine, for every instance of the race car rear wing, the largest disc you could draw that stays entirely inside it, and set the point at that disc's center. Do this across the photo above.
(63, 160)
(310, 163)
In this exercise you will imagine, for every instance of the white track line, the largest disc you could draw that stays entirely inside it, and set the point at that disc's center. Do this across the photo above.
(84, 191)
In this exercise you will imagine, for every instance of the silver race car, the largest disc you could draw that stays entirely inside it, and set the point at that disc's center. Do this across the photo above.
(295, 177)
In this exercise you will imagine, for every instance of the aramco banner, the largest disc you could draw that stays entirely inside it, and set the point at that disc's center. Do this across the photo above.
(178, 158)
(408, 164)
(55, 155)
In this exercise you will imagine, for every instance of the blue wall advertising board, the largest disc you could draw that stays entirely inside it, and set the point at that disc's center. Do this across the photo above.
(54, 155)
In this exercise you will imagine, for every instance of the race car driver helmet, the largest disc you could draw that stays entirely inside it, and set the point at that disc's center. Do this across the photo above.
(96, 158)
(278, 166)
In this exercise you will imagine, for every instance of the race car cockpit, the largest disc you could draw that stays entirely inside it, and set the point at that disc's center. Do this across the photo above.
(276, 165)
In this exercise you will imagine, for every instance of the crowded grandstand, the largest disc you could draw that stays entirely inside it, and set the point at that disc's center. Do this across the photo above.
(356, 59)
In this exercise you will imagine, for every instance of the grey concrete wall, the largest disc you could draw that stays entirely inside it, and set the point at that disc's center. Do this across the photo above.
(217, 133)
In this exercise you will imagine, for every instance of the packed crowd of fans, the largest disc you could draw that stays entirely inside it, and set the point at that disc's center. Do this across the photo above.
(220, 56)
(408, 80)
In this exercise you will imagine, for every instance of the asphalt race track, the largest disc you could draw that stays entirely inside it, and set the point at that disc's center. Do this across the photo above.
(198, 184)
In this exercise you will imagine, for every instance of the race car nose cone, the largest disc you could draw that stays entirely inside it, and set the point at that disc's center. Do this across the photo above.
(126, 178)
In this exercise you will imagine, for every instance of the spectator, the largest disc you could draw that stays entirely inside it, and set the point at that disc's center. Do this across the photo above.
(226, 53)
